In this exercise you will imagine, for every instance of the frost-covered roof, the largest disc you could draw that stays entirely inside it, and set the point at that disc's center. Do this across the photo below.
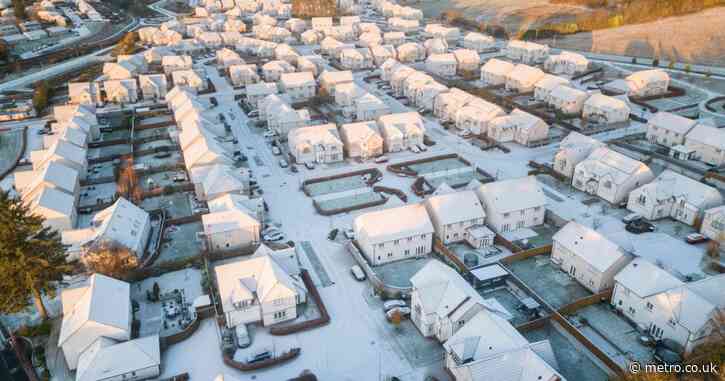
(589, 245)
(393, 223)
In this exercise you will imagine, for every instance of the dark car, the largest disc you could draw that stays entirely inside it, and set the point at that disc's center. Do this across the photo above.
(639, 227)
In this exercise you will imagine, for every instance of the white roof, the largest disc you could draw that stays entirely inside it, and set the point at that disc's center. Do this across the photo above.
(648, 76)
(393, 223)
(672, 122)
(708, 135)
(526, 72)
(60, 176)
(567, 94)
(304, 78)
(550, 82)
(602, 101)
(455, 207)
(261, 88)
(359, 132)
(489, 272)
(124, 223)
(312, 135)
(51, 202)
(333, 77)
(578, 146)
(102, 300)
(228, 220)
(644, 278)
(670, 184)
(497, 66)
(606, 161)
(105, 358)
(510, 195)
(589, 245)
(442, 290)
(692, 304)
(217, 179)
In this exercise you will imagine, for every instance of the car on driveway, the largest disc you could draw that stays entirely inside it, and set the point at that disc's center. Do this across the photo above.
(276, 151)
(631, 217)
(404, 312)
(695, 238)
(357, 273)
(639, 227)
(309, 165)
(283, 163)
(276, 236)
(394, 303)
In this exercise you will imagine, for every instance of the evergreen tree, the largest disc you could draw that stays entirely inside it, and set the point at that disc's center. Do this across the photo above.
(32, 258)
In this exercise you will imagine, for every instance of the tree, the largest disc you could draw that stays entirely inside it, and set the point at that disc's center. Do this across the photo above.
(656, 62)
(127, 45)
(395, 318)
(688, 68)
(110, 259)
(32, 258)
(19, 8)
(40, 96)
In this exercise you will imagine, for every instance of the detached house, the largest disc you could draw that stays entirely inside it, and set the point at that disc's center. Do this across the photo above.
(330, 79)
(478, 42)
(610, 175)
(153, 86)
(272, 71)
(174, 63)
(190, 79)
(648, 83)
(713, 224)
(604, 109)
(587, 256)
(476, 115)
(468, 60)
(216, 180)
(567, 63)
(264, 288)
(361, 140)
(401, 131)
(668, 129)
(315, 144)
(495, 71)
(394, 234)
(513, 204)
(435, 46)
(448, 103)
(674, 195)
(299, 86)
(443, 65)
(523, 78)
(707, 144)
(230, 227)
(87, 93)
(546, 85)
(518, 126)
(121, 91)
(567, 100)
(574, 149)
(243, 75)
(454, 214)
(526, 52)
(256, 92)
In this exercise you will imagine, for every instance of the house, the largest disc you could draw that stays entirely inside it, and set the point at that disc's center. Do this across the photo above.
(370, 107)
(674, 195)
(513, 204)
(205, 151)
(346, 94)
(79, 116)
(368, 27)
(468, 60)
(122, 223)
(447, 104)
(574, 149)
(119, 70)
(439, 31)
(394, 38)
(100, 308)
(230, 228)
(64, 153)
(668, 129)
(454, 214)
(522, 78)
(443, 65)
(174, 63)
(254, 207)
(361, 139)
(478, 42)
(488, 347)
(315, 144)
(647, 83)
(312, 63)
(566, 63)
(300, 86)
(286, 119)
(526, 52)
(410, 52)
(476, 114)
(394, 234)
(273, 70)
(707, 144)
(296, 25)
(87, 93)
(588, 256)
(190, 79)
(604, 109)
(311, 37)
(495, 71)
(329, 46)
(56, 207)
(269, 105)
(284, 52)
(100, 361)
(263, 288)
(153, 86)
(369, 39)
(610, 175)
(518, 126)
(547, 84)
(243, 75)
(426, 95)
(226, 57)
(398, 78)
(401, 131)
(29, 184)
(713, 224)
(413, 83)
(399, 24)
(435, 46)
(256, 92)
(215, 180)
(442, 301)
(567, 100)
(330, 79)
(121, 91)
(321, 23)
(69, 132)
(356, 59)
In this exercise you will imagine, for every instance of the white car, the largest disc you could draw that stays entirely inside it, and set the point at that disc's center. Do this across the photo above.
(273, 237)
(269, 134)
(283, 163)
(393, 303)
(276, 151)
(357, 273)
(270, 230)
(415, 149)
(404, 311)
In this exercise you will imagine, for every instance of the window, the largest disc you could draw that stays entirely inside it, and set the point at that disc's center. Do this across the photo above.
(505, 215)
(608, 184)
(650, 306)
(630, 310)
(396, 242)
(671, 322)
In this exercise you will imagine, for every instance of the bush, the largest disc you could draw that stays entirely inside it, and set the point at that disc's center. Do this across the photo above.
(42, 329)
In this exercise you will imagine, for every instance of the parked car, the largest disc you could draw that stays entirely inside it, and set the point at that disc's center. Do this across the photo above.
(422, 147)
(309, 165)
(333, 234)
(357, 273)
(262, 355)
(162, 155)
(381, 159)
(253, 113)
(404, 312)
(276, 151)
(270, 229)
(349, 233)
(277, 236)
(694, 238)
(631, 217)
(393, 303)
(293, 168)
(243, 339)
(269, 134)
(640, 226)
(283, 163)
(415, 149)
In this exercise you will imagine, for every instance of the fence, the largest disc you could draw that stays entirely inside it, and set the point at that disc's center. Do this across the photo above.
(571, 308)
(524, 254)
(599, 354)
(331, 212)
(245, 367)
(500, 240)
(375, 281)
(441, 249)
(376, 175)
(324, 318)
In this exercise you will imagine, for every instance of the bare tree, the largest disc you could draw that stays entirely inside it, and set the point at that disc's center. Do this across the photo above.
(111, 259)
